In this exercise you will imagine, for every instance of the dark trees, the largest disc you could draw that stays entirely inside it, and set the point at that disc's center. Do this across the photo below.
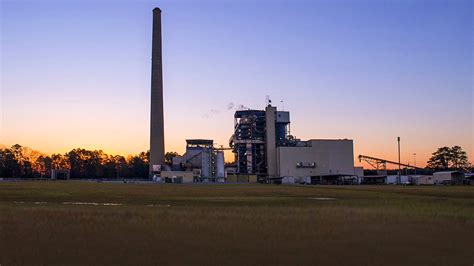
(446, 158)
(20, 162)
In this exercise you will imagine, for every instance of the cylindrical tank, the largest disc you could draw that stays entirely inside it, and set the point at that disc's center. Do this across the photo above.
(220, 164)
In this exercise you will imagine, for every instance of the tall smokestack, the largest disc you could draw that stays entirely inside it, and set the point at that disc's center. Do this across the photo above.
(157, 134)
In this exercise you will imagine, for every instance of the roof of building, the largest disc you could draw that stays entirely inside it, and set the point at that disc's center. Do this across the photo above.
(200, 141)
(448, 172)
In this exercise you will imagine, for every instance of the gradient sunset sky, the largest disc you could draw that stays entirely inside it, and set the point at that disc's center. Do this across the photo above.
(77, 73)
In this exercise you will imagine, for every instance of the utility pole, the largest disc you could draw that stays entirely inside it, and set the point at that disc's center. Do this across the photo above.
(399, 166)
(414, 161)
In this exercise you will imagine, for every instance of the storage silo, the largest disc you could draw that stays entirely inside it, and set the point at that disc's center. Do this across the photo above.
(220, 172)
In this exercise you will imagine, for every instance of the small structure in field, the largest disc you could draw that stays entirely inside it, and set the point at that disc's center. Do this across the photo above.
(424, 180)
(60, 174)
(469, 179)
(392, 179)
(448, 177)
(179, 176)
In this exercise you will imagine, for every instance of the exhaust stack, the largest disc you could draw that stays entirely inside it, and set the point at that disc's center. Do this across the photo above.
(157, 134)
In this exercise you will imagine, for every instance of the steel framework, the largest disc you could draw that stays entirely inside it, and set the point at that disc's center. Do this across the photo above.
(381, 164)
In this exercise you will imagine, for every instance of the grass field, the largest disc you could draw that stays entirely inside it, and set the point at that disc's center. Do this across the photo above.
(48, 223)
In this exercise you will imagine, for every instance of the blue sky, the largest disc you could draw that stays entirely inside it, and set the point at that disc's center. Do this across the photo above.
(77, 73)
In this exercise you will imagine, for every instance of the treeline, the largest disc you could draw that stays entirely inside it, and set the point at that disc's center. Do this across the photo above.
(449, 158)
(22, 162)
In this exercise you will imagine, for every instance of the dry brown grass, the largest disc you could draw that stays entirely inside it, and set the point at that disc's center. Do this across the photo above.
(235, 224)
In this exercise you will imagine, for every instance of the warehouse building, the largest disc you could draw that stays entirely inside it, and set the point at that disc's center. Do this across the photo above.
(448, 177)
(263, 146)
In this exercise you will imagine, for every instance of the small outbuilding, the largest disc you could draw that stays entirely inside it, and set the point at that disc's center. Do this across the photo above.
(177, 176)
(425, 180)
(469, 179)
(60, 174)
(448, 177)
(392, 179)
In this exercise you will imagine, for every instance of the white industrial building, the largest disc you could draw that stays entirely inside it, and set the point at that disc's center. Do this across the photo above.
(392, 179)
(201, 162)
(316, 157)
(448, 177)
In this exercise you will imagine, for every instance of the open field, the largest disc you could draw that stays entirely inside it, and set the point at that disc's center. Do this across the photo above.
(47, 223)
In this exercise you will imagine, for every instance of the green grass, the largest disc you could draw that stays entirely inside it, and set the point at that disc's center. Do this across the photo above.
(235, 224)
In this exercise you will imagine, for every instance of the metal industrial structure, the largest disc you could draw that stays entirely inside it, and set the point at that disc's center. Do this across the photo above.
(249, 139)
(382, 176)
(263, 146)
(381, 164)
(201, 158)
(157, 134)
(57, 174)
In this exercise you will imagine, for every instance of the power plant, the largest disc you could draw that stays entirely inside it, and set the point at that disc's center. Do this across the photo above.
(264, 149)
(263, 146)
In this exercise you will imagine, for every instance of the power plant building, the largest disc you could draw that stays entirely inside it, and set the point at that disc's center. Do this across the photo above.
(205, 161)
(263, 146)
(261, 142)
(316, 157)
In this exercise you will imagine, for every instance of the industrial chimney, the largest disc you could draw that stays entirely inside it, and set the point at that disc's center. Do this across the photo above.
(157, 136)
